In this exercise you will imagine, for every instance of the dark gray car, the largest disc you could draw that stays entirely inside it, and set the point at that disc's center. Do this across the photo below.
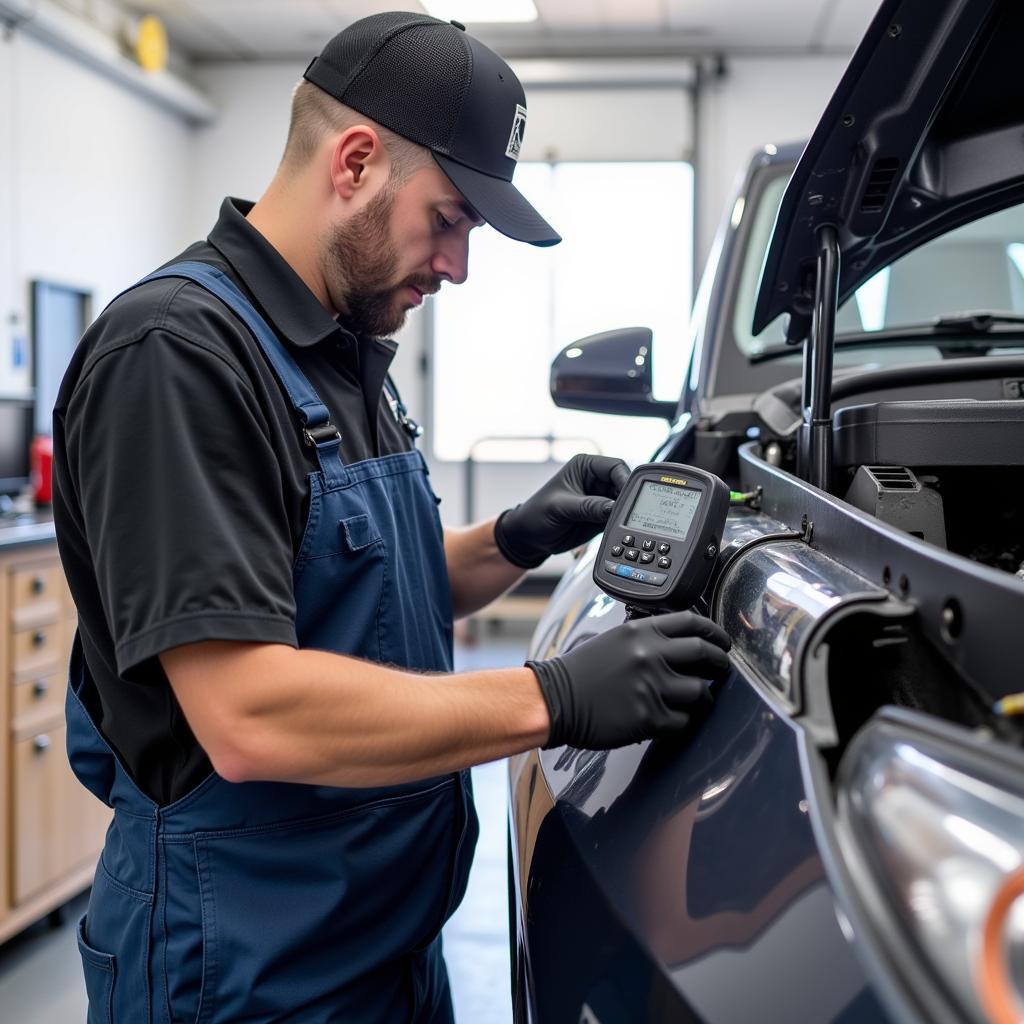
(842, 837)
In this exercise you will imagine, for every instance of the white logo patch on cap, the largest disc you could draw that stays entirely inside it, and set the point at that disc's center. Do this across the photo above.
(515, 140)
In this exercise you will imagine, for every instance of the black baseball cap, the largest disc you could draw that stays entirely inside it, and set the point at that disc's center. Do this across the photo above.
(434, 84)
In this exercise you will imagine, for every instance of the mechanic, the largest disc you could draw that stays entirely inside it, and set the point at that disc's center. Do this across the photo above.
(261, 681)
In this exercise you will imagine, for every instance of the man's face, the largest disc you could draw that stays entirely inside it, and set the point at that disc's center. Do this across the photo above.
(401, 246)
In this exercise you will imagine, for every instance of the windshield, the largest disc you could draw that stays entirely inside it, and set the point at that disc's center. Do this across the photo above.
(977, 267)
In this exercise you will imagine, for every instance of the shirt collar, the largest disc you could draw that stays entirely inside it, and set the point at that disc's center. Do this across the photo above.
(282, 295)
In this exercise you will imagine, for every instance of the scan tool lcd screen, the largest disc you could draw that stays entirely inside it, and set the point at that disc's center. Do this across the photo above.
(663, 510)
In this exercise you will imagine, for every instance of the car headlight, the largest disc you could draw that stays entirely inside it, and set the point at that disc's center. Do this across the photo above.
(931, 825)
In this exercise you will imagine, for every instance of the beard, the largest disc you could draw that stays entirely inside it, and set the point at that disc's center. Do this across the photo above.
(361, 260)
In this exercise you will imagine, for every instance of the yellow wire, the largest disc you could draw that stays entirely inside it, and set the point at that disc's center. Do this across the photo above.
(1012, 704)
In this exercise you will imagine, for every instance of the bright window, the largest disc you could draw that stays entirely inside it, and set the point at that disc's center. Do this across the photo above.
(625, 260)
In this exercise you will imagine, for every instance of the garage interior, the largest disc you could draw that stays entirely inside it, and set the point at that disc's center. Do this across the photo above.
(115, 154)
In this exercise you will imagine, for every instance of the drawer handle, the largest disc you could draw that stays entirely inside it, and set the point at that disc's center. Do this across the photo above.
(40, 688)
(38, 638)
(41, 744)
(38, 584)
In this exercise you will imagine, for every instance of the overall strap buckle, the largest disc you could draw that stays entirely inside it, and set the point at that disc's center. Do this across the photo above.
(323, 433)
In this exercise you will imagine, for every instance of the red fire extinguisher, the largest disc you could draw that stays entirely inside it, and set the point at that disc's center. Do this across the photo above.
(41, 463)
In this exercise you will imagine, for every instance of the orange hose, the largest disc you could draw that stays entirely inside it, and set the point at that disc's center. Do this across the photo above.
(995, 985)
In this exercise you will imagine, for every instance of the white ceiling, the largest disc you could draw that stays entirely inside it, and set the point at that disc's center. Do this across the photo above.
(267, 29)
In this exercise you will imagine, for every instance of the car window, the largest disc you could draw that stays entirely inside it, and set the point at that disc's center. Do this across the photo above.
(976, 267)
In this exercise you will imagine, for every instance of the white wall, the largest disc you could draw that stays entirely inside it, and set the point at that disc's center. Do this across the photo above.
(759, 101)
(94, 184)
(238, 152)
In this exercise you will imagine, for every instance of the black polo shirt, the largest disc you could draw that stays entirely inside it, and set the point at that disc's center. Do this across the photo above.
(181, 480)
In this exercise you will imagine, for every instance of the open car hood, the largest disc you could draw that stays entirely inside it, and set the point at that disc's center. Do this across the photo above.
(924, 133)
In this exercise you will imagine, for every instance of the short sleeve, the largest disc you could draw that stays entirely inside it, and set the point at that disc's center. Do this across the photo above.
(181, 498)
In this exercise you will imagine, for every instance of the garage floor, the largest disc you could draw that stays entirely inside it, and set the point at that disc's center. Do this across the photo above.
(40, 972)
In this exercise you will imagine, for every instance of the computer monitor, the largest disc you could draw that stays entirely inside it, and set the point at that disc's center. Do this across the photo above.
(60, 314)
(16, 429)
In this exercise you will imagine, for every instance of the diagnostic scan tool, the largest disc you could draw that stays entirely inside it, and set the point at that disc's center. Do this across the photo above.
(662, 538)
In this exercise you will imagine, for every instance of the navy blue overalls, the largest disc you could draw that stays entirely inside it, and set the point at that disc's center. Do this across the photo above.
(260, 902)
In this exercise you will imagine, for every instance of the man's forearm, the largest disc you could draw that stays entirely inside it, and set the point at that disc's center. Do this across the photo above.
(477, 570)
(269, 712)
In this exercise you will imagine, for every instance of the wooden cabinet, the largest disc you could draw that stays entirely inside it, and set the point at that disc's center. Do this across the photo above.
(51, 828)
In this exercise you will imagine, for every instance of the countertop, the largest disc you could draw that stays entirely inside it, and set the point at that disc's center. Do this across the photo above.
(26, 528)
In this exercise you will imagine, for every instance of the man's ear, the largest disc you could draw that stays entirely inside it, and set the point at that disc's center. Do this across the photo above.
(357, 159)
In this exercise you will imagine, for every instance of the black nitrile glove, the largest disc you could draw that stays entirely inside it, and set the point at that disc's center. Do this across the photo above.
(567, 511)
(634, 682)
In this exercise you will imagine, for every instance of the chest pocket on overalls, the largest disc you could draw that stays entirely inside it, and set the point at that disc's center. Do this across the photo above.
(358, 533)
(349, 557)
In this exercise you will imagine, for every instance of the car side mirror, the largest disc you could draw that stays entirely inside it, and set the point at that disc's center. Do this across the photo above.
(610, 372)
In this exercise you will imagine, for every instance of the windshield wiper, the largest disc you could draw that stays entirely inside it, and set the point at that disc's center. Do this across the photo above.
(975, 321)
(966, 333)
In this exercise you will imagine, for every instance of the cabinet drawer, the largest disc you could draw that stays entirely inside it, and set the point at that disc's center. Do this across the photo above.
(40, 813)
(58, 824)
(35, 699)
(37, 589)
(39, 648)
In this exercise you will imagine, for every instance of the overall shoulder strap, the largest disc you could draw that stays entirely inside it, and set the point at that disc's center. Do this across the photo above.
(312, 412)
(317, 429)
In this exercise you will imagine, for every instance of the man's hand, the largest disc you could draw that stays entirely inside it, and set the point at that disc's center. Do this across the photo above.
(639, 680)
(567, 511)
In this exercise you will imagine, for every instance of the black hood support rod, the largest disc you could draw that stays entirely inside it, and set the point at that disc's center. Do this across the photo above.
(814, 453)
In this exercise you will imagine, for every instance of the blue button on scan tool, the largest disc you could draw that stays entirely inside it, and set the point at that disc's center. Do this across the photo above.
(654, 579)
